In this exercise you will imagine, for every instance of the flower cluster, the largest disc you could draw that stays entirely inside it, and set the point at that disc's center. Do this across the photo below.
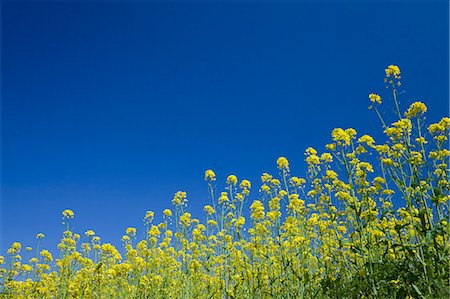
(369, 220)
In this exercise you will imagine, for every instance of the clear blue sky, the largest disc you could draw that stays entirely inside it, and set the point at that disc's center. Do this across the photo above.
(110, 108)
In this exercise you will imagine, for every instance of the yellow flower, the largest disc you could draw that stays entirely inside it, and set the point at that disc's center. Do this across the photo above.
(274, 204)
(282, 193)
(266, 177)
(295, 181)
(46, 255)
(223, 198)
(313, 220)
(399, 128)
(179, 198)
(40, 236)
(342, 229)
(232, 180)
(310, 151)
(210, 175)
(351, 132)
(341, 136)
(395, 281)
(331, 174)
(364, 165)
(416, 108)
(158, 279)
(435, 128)
(212, 222)
(421, 140)
(275, 182)
(26, 268)
(416, 157)
(257, 209)
(15, 248)
(265, 188)
(312, 158)
(154, 231)
(283, 163)
(167, 213)
(68, 214)
(440, 127)
(239, 222)
(209, 210)
(326, 157)
(240, 196)
(245, 184)
(89, 233)
(273, 215)
(445, 122)
(367, 139)
(149, 216)
(110, 251)
(387, 205)
(185, 219)
(131, 231)
(393, 70)
(330, 146)
(296, 204)
(374, 98)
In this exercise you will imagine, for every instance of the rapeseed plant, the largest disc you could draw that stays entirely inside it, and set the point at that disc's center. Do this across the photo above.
(333, 234)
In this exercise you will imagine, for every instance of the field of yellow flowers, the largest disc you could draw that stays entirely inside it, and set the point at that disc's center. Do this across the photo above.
(333, 234)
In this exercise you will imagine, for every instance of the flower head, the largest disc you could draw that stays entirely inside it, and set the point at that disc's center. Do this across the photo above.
(257, 209)
(232, 180)
(46, 255)
(149, 216)
(341, 136)
(210, 175)
(416, 109)
(245, 184)
(239, 222)
(283, 163)
(67, 214)
(209, 210)
(185, 219)
(131, 231)
(374, 98)
(223, 198)
(179, 198)
(367, 139)
(89, 233)
(393, 71)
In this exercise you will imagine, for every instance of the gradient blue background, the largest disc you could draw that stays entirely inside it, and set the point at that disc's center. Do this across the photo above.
(110, 108)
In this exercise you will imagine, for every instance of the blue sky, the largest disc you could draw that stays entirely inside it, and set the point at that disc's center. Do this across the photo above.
(110, 108)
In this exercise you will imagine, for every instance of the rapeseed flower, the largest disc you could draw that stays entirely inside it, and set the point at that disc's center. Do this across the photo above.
(283, 163)
(209, 210)
(416, 109)
(232, 180)
(393, 70)
(210, 175)
(374, 98)
(341, 136)
(68, 214)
